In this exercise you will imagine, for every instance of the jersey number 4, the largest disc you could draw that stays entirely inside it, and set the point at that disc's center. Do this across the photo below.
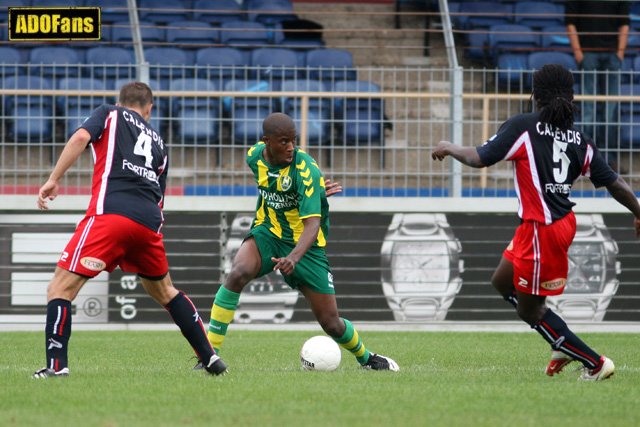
(143, 148)
(560, 156)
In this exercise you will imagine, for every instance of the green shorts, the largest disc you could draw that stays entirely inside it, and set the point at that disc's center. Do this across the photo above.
(312, 270)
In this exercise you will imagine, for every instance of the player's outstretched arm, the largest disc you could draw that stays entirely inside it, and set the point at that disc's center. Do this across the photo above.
(75, 146)
(621, 191)
(331, 188)
(466, 155)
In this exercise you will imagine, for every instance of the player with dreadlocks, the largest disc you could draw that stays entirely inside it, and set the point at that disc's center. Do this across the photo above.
(548, 154)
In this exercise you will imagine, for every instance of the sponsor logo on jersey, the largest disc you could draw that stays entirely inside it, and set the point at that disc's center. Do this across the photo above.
(140, 170)
(273, 175)
(279, 200)
(554, 284)
(285, 182)
(54, 23)
(557, 188)
(93, 264)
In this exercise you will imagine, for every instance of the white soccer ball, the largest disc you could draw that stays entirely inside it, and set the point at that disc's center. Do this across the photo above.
(320, 353)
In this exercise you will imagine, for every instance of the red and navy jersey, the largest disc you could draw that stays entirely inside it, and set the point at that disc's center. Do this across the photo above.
(130, 166)
(547, 160)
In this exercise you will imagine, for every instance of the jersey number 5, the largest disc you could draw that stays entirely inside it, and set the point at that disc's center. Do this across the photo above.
(559, 156)
(143, 148)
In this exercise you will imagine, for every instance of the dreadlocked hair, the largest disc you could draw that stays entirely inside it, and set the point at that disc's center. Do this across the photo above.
(553, 92)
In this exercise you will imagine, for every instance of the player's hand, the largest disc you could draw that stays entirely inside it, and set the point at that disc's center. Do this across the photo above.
(285, 265)
(636, 225)
(331, 187)
(48, 191)
(441, 150)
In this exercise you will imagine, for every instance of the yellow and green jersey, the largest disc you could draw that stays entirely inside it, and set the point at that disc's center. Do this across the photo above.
(287, 195)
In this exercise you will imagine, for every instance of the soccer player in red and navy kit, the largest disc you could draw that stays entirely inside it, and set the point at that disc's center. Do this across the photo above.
(548, 154)
(122, 223)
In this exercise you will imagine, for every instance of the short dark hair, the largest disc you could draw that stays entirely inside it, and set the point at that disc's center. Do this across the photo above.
(135, 94)
(553, 92)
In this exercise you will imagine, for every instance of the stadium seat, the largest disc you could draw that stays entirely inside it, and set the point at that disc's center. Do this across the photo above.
(110, 63)
(196, 119)
(30, 116)
(163, 11)
(511, 38)
(76, 108)
(478, 15)
(4, 8)
(555, 37)
(318, 115)
(274, 65)
(112, 10)
(538, 14)
(247, 113)
(149, 32)
(222, 11)
(54, 61)
(630, 117)
(361, 120)
(192, 34)
(513, 70)
(538, 59)
(330, 65)
(10, 62)
(221, 64)
(244, 34)
(270, 12)
(167, 63)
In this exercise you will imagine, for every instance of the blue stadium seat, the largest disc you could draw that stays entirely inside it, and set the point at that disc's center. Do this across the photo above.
(167, 63)
(513, 70)
(476, 46)
(512, 38)
(222, 11)
(485, 14)
(274, 65)
(196, 119)
(538, 14)
(270, 12)
(149, 32)
(318, 115)
(54, 61)
(555, 37)
(110, 63)
(244, 34)
(247, 113)
(192, 34)
(163, 11)
(30, 116)
(112, 10)
(77, 108)
(361, 120)
(300, 34)
(330, 65)
(221, 64)
(630, 117)
(538, 59)
(10, 62)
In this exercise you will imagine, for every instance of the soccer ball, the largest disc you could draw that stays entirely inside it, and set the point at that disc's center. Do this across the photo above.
(320, 353)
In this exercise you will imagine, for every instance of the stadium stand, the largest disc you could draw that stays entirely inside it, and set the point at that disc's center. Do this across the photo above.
(196, 119)
(319, 112)
(538, 14)
(55, 61)
(75, 109)
(221, 64)
(330, 65)
(110, 63)
(247, 113)
(112, 10)
(151, 34)
(163, 11)
(191, 34)
(274, 65)
(223, 11)
(30, 117)
(360, 120)
(167, 63)
(10, 61)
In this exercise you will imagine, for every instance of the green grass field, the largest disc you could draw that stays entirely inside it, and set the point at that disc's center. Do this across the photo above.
(446, 379)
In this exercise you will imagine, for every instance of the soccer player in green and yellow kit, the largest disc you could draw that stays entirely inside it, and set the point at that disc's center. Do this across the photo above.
(289, 233)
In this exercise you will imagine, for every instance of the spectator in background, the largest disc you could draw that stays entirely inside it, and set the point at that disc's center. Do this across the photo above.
(598, 32)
